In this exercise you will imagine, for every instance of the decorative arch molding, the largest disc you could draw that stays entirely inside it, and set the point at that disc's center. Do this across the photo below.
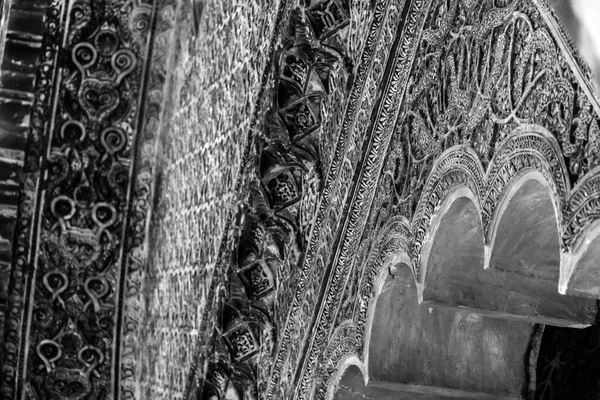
(391, 247)
(530, 153)
(347, 361)
(348, 344)
(457, 166)
(584, 207)
(340, 354)
(343, 351)
(528, 148)
(580, 233)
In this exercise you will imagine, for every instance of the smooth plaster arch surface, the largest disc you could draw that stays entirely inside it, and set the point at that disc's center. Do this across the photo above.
(580, 272)
(400, 261)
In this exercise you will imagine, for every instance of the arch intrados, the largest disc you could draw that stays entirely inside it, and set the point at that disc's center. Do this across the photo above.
(461, 281)
(399, 352)
(458, 193)
(511, 201)
(398, 265)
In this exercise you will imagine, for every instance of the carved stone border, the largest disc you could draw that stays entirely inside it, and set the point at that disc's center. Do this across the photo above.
(23, 255)
(281, 359)
(363, 193)
(63, 21)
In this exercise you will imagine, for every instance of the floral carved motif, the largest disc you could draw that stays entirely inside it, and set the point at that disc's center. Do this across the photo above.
(78, 175)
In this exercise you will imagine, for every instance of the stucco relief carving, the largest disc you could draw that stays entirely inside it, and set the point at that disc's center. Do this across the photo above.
(476, 93)
(335, 188)
(495, 91)
(285, 185)
(67, 276)
(76, 187)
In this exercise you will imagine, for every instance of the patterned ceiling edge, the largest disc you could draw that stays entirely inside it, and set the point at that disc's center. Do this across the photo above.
(68, 282)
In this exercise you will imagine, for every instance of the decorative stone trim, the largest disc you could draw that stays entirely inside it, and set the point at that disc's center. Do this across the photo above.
(68, 278)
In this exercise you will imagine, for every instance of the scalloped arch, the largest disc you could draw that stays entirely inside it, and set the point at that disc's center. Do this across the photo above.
(393, 238)
(457, 166)
(528, 148)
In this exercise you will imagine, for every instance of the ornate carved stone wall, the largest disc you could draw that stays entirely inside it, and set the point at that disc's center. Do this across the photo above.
(21, 34)
(280, 188)
(479, 74)
(83, 202)
(289, 149)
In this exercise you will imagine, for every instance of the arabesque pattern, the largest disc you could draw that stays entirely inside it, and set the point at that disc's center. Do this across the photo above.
(63, 335)
(338, 129)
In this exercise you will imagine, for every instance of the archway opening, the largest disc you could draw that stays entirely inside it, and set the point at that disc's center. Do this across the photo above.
(453, 259)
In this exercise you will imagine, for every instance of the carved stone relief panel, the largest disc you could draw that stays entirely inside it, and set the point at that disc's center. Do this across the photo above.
(66, 317)
(482, 74)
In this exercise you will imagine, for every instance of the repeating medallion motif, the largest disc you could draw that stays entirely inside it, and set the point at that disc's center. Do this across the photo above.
(79, 167)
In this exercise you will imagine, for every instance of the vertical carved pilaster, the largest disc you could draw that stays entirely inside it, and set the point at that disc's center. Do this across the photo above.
(63, 336)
